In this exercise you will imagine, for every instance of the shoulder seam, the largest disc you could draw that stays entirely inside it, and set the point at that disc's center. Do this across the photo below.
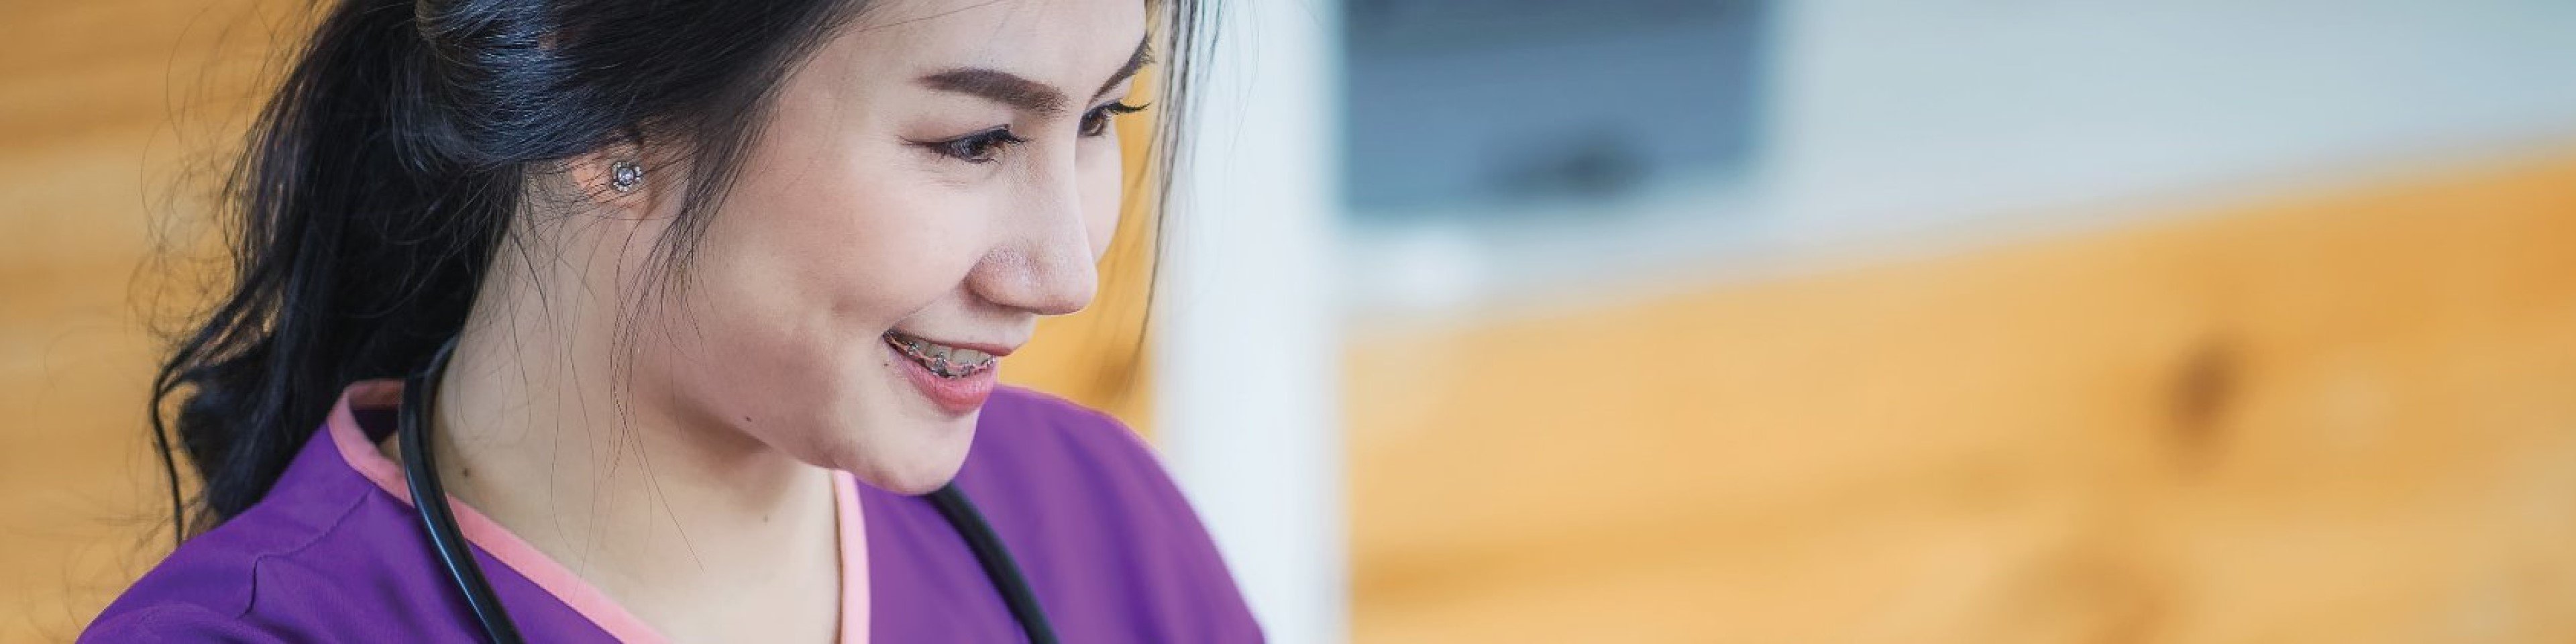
(338, 520)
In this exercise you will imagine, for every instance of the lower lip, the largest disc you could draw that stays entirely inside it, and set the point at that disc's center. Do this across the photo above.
(954, 395)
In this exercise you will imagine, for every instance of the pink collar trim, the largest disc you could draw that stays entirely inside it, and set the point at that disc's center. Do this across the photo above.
(552, 577)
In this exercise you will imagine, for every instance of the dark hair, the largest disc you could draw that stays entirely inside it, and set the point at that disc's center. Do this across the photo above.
(381, 179)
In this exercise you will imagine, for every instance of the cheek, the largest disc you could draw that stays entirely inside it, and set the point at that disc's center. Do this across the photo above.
(831, 232)
(793, 283)
(834, 252)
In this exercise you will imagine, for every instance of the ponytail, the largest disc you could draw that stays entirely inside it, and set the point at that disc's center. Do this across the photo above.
(358, 247)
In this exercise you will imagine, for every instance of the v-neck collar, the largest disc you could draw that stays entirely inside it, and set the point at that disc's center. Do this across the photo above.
(551, 576)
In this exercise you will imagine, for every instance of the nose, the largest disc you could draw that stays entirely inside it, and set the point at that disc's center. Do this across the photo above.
(1043, 263)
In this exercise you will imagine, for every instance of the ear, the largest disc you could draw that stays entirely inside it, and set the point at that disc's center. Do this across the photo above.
(625, 180)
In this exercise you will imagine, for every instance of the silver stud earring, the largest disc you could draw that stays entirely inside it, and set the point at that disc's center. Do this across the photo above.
(625, 175)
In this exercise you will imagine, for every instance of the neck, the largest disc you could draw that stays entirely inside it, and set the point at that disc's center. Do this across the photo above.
(673, 519)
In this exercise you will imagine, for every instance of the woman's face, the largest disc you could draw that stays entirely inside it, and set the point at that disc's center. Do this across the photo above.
(938, 175)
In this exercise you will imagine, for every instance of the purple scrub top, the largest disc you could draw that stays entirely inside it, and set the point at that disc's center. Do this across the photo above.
(334, 552)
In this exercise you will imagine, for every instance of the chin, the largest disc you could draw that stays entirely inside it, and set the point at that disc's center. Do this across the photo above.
(922, 469)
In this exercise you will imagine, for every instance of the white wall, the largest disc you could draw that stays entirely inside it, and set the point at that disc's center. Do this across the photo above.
(1245, 353)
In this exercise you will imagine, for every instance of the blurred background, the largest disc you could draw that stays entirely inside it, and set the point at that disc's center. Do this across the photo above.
(1660, 320)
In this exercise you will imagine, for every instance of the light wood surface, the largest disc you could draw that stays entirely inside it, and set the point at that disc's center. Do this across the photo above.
(2345, 418)
(96, 102)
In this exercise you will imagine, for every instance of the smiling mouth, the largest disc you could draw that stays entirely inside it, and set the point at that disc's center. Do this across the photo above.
(942, 360)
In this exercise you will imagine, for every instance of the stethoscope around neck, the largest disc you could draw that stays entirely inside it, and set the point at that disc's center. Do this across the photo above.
(420, 471)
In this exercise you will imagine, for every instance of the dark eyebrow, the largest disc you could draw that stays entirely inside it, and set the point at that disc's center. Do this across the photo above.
(1018, 92)
(1000, 86)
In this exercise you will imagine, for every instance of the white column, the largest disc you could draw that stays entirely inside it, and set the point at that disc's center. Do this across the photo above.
(1247, 361)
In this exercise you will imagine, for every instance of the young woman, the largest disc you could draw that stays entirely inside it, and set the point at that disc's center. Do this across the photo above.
(690, 312)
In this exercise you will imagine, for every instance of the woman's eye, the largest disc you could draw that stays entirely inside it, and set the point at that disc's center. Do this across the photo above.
(1096, 121)
(979, 147)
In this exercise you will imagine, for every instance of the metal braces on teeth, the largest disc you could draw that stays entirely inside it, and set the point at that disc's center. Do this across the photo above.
(938, 365)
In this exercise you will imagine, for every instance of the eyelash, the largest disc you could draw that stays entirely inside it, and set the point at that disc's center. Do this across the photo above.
(1096, 122)
(981, 147)
(976, 148)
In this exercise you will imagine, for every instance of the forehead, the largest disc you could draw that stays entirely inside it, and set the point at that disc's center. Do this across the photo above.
(1069, 43)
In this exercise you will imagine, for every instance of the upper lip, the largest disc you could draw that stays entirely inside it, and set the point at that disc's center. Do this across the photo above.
(991, 349)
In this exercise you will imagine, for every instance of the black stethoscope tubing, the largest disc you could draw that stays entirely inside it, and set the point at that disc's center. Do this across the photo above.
(456, 556)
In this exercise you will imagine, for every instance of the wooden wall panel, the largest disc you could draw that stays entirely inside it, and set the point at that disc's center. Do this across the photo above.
(2347, 418)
